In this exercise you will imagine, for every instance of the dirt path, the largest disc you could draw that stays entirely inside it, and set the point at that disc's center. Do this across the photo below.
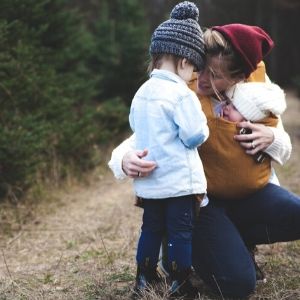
(65, 253)
(83, 247)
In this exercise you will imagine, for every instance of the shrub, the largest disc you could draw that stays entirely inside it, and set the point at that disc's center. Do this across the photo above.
(64, 84)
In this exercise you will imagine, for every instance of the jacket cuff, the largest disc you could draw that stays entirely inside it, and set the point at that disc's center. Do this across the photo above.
(115, 164)
(281, 148)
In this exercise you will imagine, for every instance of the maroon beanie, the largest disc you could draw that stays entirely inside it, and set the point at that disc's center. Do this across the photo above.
(251, 42)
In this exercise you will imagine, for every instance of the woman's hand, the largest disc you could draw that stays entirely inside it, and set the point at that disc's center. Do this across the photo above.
(259, 140)
(134, 166)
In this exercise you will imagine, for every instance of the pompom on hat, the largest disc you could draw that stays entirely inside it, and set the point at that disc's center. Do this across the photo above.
(252, 43)
(181, 35)
(257, 100)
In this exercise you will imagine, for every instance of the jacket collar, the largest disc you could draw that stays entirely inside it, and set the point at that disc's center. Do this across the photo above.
(166, 75)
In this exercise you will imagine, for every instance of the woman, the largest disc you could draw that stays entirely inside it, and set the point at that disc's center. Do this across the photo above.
(226, 229)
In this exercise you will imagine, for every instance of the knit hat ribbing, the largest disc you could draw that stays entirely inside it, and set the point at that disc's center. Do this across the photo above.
(256, 100)
(252, 43)
(181, 35)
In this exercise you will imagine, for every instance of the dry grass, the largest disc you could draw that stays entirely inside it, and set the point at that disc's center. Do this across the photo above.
(83, 249)
(81, 242)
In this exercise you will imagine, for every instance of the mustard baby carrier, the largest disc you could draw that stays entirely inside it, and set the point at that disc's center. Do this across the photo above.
(230, 172)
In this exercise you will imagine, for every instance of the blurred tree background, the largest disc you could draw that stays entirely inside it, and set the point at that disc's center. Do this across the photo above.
(69, 69)
(278, 17)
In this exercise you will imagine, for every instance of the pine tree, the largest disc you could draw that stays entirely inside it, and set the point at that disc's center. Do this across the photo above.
(44, 86)
(64, 82)
(122, 43)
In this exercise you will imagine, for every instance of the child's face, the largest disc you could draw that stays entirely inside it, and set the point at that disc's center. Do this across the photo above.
(230, 113)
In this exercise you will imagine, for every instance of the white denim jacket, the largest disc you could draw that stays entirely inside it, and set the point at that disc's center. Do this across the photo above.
(168, 120)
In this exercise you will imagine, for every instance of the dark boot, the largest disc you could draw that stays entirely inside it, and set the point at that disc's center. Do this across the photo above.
(145, 277)
(260, 275)
(182, 282)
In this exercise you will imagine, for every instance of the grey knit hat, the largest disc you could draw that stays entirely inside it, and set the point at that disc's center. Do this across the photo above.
(181, 35)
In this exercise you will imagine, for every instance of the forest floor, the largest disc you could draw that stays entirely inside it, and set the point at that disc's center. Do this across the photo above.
(80, 242)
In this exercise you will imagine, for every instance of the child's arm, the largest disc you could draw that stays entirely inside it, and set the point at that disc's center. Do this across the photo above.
(192, 123)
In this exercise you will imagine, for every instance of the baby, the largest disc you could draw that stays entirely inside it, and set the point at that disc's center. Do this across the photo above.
(253, 101)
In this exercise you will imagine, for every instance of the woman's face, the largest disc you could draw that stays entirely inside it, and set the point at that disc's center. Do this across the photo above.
(214, 74)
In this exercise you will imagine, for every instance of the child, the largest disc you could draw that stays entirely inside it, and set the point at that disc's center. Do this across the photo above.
(167, 119)
(257, 102)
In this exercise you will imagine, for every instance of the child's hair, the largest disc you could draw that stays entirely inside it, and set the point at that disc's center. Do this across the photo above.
(156, 61)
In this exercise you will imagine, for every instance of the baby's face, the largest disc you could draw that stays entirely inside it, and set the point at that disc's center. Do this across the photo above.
(230, 113)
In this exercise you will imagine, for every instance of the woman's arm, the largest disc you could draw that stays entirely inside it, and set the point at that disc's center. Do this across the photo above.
(117, 154)
(281, 148)
(274, 141)
(126, 161)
